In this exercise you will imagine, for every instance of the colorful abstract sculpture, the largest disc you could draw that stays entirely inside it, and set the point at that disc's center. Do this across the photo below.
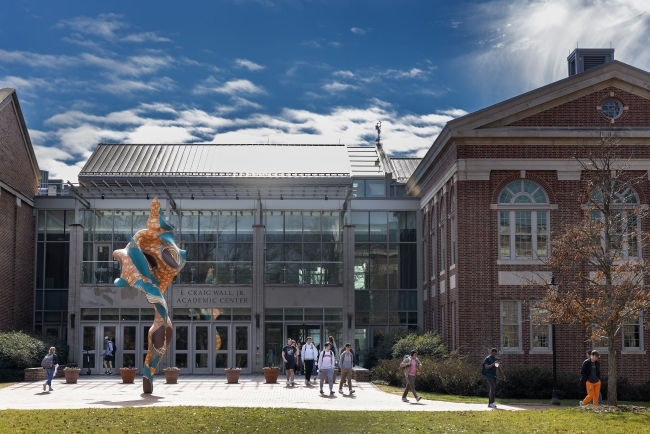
(150, 262)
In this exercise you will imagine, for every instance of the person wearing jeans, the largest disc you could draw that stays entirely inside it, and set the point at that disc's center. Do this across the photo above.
(309, 356)
(50, 371)
(326, 362)
(490, 366)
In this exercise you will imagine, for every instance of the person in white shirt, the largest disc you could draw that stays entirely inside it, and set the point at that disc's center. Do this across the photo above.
(309, 356)
(326, 362)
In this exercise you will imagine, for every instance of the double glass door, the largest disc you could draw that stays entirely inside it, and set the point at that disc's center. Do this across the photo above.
(129, 340)
(210, 348)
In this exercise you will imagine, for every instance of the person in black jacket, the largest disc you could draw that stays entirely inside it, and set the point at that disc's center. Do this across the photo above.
(590, 376)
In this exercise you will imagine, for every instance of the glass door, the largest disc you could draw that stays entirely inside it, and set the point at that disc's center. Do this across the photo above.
(90, 352)
(221, 348)
(182, 347)
(110, 330)
(202, 349)
(128, 346)
(241, 347)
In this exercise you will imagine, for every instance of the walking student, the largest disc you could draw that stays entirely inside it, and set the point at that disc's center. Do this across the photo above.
(326, 362)
(289, 357)
(109, 351)
(50, 363)
(490, 366)
(411, 365)
(309, 356)
(346, 363)
(590, 375)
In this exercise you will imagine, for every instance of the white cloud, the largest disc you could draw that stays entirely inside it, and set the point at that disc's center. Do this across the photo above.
(121, 86)
(358, 31)
(344, 74)
(103, 26)
(237, 103)
(232, 87)
(37, 60)
(336, 86)
(528, 41)
(145, 37)
(76, 133)
(412, 73)
(251, 66)
(22, 84)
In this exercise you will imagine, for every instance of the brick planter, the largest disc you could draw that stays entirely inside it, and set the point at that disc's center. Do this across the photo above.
(39, 374)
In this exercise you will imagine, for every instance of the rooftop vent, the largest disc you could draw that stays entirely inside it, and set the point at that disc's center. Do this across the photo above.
(583, 59)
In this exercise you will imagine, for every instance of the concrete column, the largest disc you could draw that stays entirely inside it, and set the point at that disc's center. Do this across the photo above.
(348, 284)
(257, 311)
(420, 269)
(74, 291)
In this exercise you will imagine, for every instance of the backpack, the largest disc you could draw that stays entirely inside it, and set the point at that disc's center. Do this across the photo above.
(111, 348)
(48, 361)
(483, 370)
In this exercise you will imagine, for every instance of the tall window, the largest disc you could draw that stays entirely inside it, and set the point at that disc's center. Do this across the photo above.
(434, 245)
(633, 333)
(627, 227)
(443, 246)
(523, 221)
(452, 226)
(540, 329)
(510, 325)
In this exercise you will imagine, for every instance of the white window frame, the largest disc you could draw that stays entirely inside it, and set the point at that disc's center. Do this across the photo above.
(534, 208)
(452, 227)
(443, 236)
(533, 324)
(504, 349)
(633, 350)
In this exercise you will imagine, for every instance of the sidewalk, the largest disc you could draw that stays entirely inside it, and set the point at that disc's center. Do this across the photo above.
(98, 391)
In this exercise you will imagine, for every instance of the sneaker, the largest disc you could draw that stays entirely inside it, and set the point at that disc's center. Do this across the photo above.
(340, 390)
(582, 404)
(321, 392)
(110, 373)
(351, 392)
(44, 386)
(418, 399)
(494, 405)
(489, 405)
(50, 390)
(306, 383)
(405, 400)
(331, 392)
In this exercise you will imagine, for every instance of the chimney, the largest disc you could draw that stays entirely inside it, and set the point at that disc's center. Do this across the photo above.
(583, 59)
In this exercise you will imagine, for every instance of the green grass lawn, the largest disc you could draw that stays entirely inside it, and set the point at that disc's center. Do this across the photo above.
(484, 400)
(261, 420)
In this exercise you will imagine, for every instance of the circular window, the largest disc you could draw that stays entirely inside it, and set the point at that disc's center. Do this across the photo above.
(612, 108)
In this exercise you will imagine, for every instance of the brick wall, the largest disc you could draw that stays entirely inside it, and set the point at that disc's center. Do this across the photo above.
(582, 112)
(16, 228)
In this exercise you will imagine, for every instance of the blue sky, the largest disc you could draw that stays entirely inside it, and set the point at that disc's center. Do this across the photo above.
(287, 71)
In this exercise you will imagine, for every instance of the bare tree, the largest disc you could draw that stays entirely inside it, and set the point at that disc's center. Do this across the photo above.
(597, 259)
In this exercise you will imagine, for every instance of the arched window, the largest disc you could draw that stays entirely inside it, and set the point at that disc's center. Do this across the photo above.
(523, 221)
(626, 226)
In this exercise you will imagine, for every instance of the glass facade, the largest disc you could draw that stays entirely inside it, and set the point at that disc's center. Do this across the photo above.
(303, 247)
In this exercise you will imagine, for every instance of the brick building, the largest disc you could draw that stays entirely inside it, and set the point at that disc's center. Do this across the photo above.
(19, 176)
(493, 189)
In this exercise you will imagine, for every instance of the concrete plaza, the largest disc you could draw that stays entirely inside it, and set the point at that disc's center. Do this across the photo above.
(99, 391)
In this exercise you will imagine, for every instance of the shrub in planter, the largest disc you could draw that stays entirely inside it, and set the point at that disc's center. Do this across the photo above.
(20, 350)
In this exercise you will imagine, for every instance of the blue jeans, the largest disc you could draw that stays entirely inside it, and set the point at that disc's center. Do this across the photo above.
(330, 377)
(50, 375)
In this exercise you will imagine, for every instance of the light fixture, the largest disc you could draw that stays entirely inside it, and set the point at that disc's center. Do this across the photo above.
(72, 318)
(236, 196)
(102, 196)
(326, 198)
(192, 197)
(147, 196)
(281, 197)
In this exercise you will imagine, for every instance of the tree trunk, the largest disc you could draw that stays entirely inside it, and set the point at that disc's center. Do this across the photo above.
(612, 397)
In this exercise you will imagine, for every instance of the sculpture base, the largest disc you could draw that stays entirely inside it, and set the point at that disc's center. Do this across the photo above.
(147, 387)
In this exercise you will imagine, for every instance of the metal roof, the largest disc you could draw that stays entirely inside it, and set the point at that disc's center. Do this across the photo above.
(213, 160)
(364, 161)
(404, 167)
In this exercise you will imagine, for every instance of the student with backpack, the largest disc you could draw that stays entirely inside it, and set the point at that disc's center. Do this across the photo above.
(50, 363)
(326, 362)
(411, 365)
(346, 362)
(109, 352)
(309, 355)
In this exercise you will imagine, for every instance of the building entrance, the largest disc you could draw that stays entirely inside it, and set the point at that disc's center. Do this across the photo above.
(300, 332)
(130, 340)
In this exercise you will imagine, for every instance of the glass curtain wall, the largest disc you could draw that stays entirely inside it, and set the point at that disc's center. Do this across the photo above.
(303, 247)
(52, 272)
(219, 244)
(385, 269)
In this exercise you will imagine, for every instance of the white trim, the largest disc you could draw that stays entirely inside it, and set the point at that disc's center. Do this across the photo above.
(510, 350)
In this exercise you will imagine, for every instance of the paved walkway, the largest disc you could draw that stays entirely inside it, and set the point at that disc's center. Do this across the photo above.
(98, 391)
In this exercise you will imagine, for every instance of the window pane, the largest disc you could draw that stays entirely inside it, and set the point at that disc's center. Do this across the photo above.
(140, 220)
(103, 225)
(293, 226)
(510, 312)
(55, 225)
(331, 226)
(227, 228)
(208, 222)
(274, 226)
(523, 234)
(378, 227)
(375, 188)
(190, 226)
(274, 252)
(360, 220)
(332, 252)
(122, 226)
(632, 237)
(510, 336)
(57, 256)
(312, 226)
(312, 252)
(540, 336)
(542, 234)
(245, 221)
